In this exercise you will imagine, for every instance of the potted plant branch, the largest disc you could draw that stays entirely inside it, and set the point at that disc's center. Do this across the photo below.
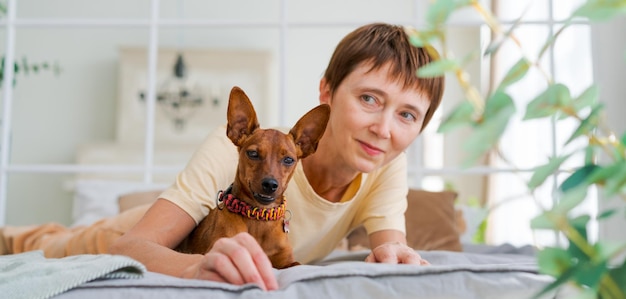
(24, 66)
(597, 268)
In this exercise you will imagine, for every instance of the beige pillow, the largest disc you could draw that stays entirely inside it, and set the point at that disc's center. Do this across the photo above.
(131, 200)
(431, 223)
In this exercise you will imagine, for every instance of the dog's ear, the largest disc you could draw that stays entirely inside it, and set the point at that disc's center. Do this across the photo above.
(242, 120)
(309, 129)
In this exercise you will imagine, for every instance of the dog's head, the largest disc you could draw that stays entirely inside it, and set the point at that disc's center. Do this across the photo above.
(268, 157)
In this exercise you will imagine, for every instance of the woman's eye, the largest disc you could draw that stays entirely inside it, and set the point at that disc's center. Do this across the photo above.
(288, 161)
(254, 155)
(408, 116)
(368, 99)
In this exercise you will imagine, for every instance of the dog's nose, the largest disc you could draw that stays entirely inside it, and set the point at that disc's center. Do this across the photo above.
(269, 185)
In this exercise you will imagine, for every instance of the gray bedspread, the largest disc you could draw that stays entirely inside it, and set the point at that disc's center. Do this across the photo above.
(343, 275)
(31, 275)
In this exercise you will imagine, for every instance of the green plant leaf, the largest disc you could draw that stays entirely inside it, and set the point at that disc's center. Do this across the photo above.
(497, 42)
(499, 105)
(590, 154)
(619, 276)
(479, 236)
(439, 11)
(517, 72)
(437, 68)
(600, 10)
(482, 139)
(421, 38)
(498, 111)
(551, 39)
(544, 221)
(589, 274)
(601, 174)
(612, 176)
(571, 199)
(589, 270)
(587, 98)
(616, 183)
(580, 224)
(560, 280)
(606, 214)
(623, 139)
(588, 124)
(461, 115)
(554, 261)
(548, 102)
(418, 41)
(607, 249)
(578, 177)
(541, 173)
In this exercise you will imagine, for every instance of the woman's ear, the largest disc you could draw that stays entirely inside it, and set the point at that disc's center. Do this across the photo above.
(325, 93)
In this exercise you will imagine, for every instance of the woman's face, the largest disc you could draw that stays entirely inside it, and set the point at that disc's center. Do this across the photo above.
(373, 118)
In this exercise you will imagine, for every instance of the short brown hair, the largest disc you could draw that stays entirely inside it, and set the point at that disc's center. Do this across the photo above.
(380, 43)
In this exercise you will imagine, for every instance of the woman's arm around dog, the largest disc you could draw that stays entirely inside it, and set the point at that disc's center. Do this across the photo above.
(236, 260)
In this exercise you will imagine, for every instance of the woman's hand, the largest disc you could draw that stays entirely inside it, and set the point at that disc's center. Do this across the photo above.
(237, 260)
(395, 253)
(389, 246)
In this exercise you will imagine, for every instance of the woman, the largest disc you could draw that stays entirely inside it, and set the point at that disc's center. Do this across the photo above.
(356, 176)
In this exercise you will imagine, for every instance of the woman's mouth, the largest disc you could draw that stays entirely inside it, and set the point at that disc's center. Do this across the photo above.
(370, 149)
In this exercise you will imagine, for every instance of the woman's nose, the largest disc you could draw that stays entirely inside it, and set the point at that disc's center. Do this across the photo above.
(381, 126)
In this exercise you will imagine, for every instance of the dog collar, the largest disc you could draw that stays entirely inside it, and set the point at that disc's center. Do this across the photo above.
(234, 205)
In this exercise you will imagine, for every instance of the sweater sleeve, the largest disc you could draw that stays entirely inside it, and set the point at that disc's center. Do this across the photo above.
(211, 168)
(386, 199)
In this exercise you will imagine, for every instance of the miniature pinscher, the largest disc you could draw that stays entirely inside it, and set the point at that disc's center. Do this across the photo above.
(254, 203)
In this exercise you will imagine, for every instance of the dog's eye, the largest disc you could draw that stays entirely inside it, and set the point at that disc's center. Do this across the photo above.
(254, 155)
(288, 161)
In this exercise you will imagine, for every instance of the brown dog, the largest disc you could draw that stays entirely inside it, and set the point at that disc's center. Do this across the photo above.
(254, 203)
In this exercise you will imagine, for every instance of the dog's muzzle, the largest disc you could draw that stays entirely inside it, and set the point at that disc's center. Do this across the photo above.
(269, 187)
(263, 199)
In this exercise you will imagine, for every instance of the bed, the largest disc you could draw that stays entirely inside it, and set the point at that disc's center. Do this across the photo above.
(457, 270)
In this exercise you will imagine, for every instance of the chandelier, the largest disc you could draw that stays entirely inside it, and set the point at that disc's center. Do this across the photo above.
(178, 96)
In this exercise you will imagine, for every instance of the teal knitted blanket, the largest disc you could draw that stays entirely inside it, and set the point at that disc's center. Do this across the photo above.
(31, 275)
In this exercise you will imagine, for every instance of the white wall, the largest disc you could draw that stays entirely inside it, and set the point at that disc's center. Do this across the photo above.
(609, 52)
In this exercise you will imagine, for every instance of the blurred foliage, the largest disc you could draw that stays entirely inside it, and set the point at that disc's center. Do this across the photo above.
(598, 269)
(24, 67)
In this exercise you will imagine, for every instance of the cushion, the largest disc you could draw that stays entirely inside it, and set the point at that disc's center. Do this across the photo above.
(97, 199)
(131, 200)
(431, 223)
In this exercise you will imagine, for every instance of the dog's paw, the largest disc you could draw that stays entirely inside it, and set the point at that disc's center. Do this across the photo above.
(288, 265)
(293, 264)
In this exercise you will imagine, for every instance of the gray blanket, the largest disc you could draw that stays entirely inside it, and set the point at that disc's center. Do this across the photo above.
(31, 275)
